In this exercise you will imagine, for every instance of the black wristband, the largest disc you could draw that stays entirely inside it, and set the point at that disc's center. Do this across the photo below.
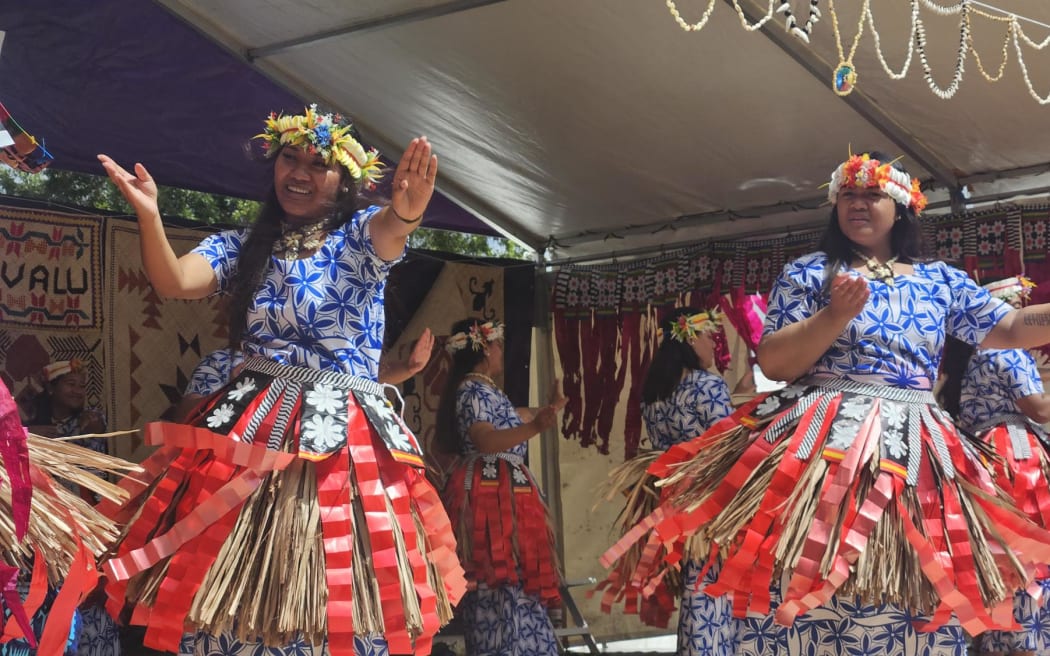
(403, 219)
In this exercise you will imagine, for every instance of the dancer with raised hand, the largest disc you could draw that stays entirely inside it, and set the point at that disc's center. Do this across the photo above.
(292, 511)
(681, 398)
(503, 531)
(850, 491)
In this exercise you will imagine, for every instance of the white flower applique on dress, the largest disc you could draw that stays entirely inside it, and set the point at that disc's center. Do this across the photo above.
(489, 471)
(221, 415)
(242, 389)
(326, 399)
(768, 406)
(324, 432)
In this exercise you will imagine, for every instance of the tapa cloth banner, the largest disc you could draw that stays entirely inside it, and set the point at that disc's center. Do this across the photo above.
(50, 272)
(50, 294)
(460, 291)
(152, 345)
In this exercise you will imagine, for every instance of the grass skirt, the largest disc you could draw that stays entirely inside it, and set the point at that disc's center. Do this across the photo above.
(1022, 469)
(850, 489)
(655, 604)
(294, 506)
(502, 526)
(48, 530)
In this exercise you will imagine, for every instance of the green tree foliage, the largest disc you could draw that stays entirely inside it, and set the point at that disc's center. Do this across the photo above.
(96, 192)
(462, 243)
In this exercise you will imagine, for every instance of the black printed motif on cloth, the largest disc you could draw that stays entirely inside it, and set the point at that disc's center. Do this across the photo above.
(392, 430)
(229, 403)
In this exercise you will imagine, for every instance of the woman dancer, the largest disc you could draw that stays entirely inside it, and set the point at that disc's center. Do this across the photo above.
(850, 491)
(681, 398)
(504, 537)
(1000, 399)
(293, 510)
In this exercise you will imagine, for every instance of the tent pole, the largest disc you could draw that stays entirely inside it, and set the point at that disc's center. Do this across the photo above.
(549, 440)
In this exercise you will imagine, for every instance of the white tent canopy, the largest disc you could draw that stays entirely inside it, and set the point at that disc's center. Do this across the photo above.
(600, 126)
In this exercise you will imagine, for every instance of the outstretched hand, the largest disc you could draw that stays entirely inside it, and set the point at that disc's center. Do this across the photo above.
(849, 294)
(414, 180)
(139, 189)
(557, 400)
(547, 416)
(420, 355)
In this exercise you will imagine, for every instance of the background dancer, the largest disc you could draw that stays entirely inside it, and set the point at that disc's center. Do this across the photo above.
(503, 531)
(681, 398)
(1000, 399)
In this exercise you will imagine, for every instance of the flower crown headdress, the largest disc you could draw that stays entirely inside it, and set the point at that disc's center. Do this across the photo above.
(477, 337)
(56, 370)
(863, 172)
(1011, 289)
(326, 135)
(686, 327)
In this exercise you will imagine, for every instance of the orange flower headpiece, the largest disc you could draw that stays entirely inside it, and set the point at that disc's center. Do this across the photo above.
(326, 135)
(56, 370)
(863, 172)
(478, 337)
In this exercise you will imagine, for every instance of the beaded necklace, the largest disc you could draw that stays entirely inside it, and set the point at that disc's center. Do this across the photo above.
(482, 377)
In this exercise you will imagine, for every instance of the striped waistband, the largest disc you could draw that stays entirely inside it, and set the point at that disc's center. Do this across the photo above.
(902, 395)
(1007, 419)
(512, 458)
(307, 375)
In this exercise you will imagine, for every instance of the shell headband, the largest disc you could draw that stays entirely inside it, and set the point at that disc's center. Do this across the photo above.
(478, 337)
(325, 135)
(862, 172)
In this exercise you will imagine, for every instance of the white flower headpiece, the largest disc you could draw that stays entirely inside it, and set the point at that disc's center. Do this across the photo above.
(863, 172)
(478, 337)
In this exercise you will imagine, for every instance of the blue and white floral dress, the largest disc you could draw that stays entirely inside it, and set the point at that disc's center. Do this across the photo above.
(994, 381)
(304, 415)
(213, 371)
(705, 624)
(843, 503)
(504, 536)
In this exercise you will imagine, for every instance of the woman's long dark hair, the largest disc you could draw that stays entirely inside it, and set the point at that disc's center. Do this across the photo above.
(671, 359)
(254, 258)
(954, 361)
(906, 238)
(447, 437)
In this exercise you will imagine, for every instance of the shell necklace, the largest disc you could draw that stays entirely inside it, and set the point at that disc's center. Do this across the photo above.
(303, 238)
(878, 270)
(482, 377)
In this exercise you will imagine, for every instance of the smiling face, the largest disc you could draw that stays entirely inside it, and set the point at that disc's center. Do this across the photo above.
(67, 394)
(306, 187)
(866, 217)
